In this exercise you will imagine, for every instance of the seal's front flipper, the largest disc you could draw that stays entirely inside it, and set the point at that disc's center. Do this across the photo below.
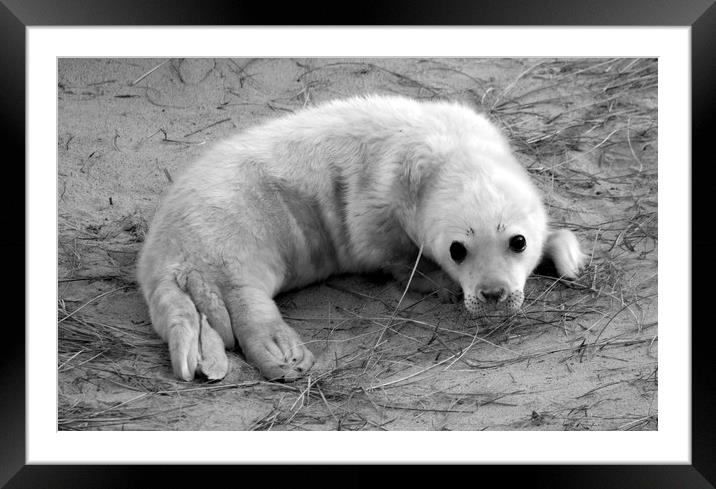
(562, 248)
(265, 339)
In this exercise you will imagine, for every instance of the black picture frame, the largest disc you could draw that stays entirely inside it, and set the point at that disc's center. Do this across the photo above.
(16, 15)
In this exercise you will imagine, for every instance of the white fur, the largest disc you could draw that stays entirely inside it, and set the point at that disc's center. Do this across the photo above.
(350, 186)
(562, 246)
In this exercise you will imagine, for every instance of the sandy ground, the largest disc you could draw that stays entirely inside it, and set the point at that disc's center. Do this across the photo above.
(582, 356)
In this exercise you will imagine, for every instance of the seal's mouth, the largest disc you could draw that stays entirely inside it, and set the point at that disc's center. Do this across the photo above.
(510, 305)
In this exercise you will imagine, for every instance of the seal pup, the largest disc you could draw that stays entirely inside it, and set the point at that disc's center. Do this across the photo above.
(351, 186)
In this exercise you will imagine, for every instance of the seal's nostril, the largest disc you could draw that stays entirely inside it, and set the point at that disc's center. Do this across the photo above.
(492, 296)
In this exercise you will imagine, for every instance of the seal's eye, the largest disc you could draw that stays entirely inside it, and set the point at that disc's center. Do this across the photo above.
(457, 251)
(518, 243)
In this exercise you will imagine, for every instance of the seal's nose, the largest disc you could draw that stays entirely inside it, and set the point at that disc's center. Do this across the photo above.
(492, 296)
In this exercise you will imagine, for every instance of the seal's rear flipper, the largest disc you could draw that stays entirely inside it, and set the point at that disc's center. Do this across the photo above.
(194, 347)
(213, 361)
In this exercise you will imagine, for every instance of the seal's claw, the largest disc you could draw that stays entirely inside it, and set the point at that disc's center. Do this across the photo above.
(278, 353)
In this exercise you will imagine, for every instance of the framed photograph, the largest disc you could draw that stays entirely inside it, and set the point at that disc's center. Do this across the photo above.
(438, 228)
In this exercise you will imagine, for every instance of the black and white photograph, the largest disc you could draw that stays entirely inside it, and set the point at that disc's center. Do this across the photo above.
(465, 234)
(351, 244)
